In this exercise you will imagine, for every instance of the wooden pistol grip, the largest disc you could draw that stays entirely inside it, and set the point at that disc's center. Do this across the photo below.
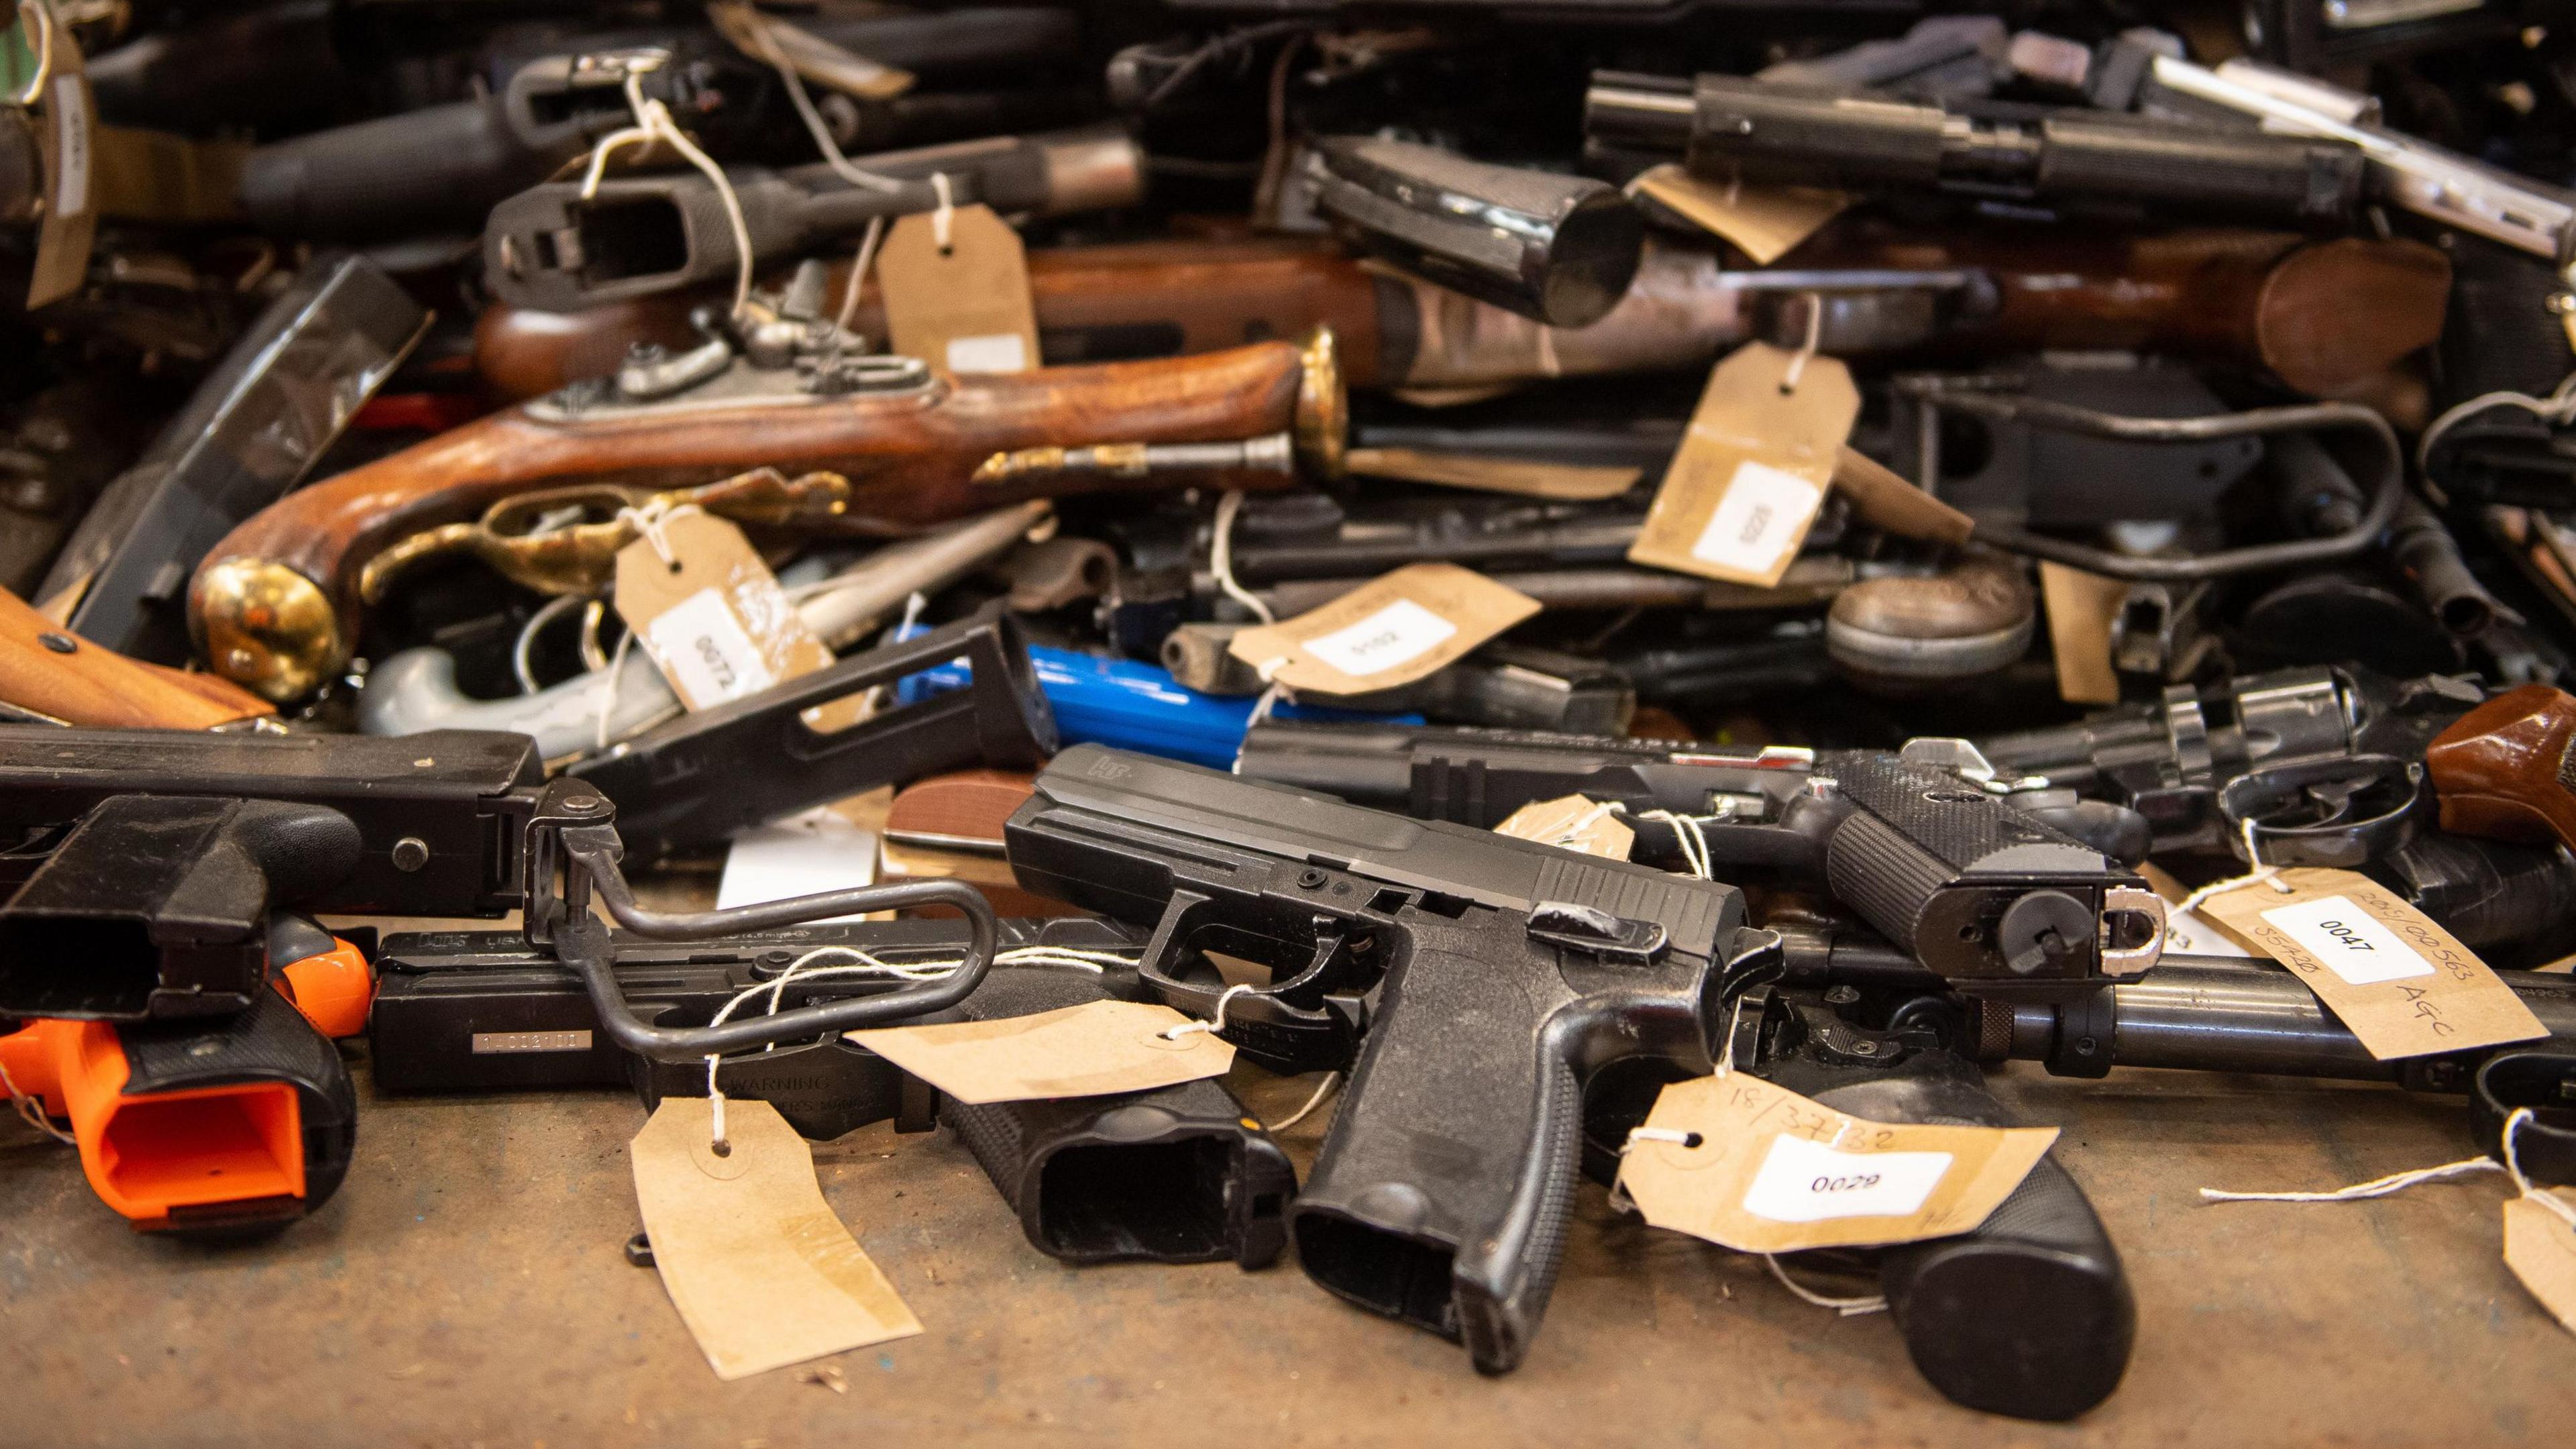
(2505, 770)
(91, 686)
(276, 601)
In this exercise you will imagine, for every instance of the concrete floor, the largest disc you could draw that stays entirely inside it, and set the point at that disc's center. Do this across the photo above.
(467, 1287)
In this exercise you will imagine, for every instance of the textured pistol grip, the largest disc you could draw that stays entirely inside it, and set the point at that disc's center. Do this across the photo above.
(1177, 1175)
(268, 1045)
(1443, 1189)
(2029, 1315)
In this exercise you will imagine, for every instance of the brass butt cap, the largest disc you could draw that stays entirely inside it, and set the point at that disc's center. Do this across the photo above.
(1323, 419)
(267, 628)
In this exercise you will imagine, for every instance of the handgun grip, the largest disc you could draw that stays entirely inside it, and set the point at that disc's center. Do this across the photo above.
(200, 1129)
(2502, 769)
(1455, 1225)
(1181, 1174)
(2029, 1314)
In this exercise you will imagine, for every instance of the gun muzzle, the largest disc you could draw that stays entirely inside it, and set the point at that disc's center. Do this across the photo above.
(1560, 249)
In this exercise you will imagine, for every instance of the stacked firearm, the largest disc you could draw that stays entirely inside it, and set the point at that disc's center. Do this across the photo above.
(1936, 494)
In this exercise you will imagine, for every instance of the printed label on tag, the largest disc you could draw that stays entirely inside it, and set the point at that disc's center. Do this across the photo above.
(702, 647)
(2360, 950)
(760, 1267)
(1764, 222)
(1740, 493)
(1389, 631)
(2400, 983)
(714, 620)
(1764, 1170)
(2080, 609)
(68, 230)
(71, 122)
(1089, 1050)
(1807, 1182)
(963, 309)
(1002, 353)
(1759, 520)
(1397, 634)
(1584, 826)
(2540, 1248)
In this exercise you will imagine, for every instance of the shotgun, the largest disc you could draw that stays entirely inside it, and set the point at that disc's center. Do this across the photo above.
(276, 603)
(2253, 299)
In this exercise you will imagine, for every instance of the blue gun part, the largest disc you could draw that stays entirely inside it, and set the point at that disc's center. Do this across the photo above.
(1131, 706)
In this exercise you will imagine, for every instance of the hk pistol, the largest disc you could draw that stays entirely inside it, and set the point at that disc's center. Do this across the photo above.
(1493, 976)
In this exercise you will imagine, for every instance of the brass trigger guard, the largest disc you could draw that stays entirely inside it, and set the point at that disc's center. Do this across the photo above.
(581, 558)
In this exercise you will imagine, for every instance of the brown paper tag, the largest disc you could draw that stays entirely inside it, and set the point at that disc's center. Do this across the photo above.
(2540, 1248)
(1586, 827)
(1773, 1172)
(1764, 222)
(964, 309)
(2080, 609)
(1567, 482)
(714, 619)
(2400, 983)
(1392, 630)
(1883, 498)
(760, 1267)
(66, 122)
(1752, 470)
(1089, 1050)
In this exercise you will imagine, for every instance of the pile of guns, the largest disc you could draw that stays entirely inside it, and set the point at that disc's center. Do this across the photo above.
(2208, 507)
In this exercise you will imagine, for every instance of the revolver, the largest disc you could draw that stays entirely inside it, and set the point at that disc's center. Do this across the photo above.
(1473, 981)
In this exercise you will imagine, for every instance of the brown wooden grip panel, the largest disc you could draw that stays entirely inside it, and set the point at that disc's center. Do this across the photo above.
(2504, 769)
(276, 601)
(99, 688)
(1138, 299)
(964, 810)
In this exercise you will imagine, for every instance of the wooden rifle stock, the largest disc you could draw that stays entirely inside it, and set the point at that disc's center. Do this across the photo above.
(47, 671)
(2326, 317)
(276, 603)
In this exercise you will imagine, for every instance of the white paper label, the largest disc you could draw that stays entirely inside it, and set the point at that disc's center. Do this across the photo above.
(1807, 1182)
(1402, 631)
(1758, 519)
(704, 648)
(71, 124)
(994, 352)
(2353, 944)
(798, 856)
